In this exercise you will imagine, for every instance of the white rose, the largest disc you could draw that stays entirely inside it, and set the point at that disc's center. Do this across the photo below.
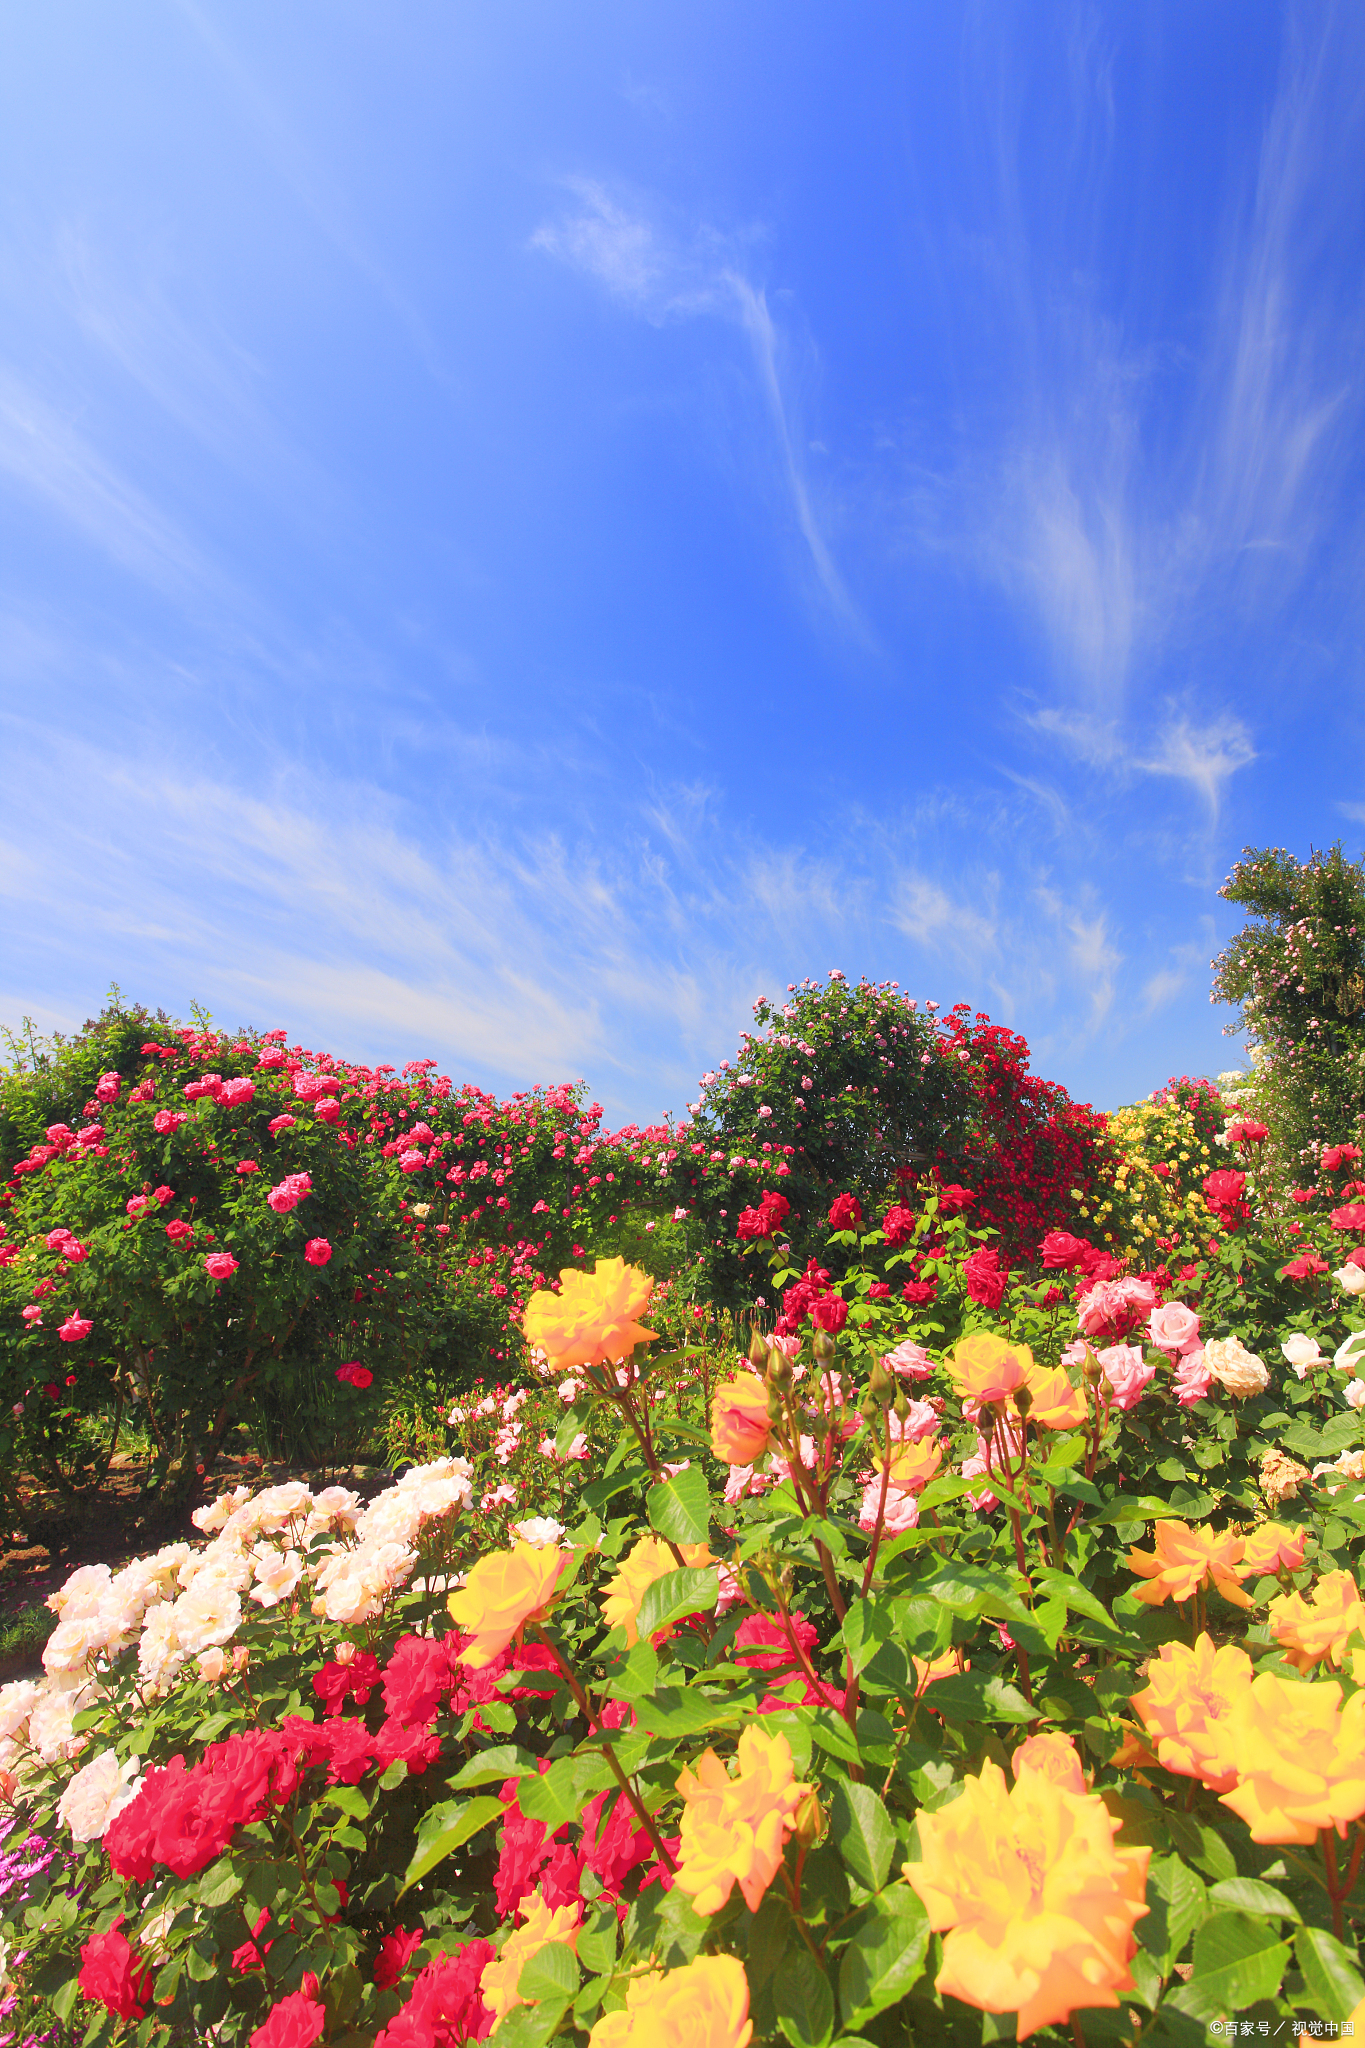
(17, 1701)
(1351, 1279)
(277, 1574)
(538, 1530)
(1235, 1368)
(81, 1592)
(422, 1210)
(1353, 1393)
(210, 1613)
(281, 1504)
(1350, 1356)
(1302, 1352)
(96, 1794)
(49, 1727)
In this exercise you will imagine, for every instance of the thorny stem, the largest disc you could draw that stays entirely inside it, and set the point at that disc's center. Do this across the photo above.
(1337, 1891)
(881, 1511)
(646, 1819)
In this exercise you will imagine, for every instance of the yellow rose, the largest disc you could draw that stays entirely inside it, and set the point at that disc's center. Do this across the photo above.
(734, 1830)
(913, 1465)
(1272, 1548)
(1056, 1404)
(1186, 1707)
(592, 1318)
(1300, 1759)
(986, 1368)
(648, 1560)
(1035, 1903)
(1309, 1630)
(739, 1420)
(1182, 1560)
(498, 1984)
(500, 1595)
(703, 2005)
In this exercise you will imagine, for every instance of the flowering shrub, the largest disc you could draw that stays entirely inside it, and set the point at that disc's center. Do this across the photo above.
(949, 1657)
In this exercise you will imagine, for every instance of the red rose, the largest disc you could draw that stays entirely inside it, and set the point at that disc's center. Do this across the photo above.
(766, 1218)
(829, 1313)
(845, 1213)
(1305, 1268)
(919, 1293)
(294, 2023)
(416, 1679)
(446, 2004)
(878, 1291)
(112, 1974)
(179, 1232)
(1350, 1218)
(982, 1278)
(1247, 1134)
(336, 1683)
(355, 1375)
(1337, 1156)
(317, 1251)
(898, 1225)
(394, 1951)
(953, 1199)
(1064, 1253)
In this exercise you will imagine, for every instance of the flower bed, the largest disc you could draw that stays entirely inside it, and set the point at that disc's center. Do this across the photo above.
(976, 1662)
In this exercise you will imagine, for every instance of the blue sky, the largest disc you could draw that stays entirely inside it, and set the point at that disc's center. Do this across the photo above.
(523, 528)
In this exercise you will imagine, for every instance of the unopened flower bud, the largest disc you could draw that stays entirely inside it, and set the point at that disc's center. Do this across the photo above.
(1023, 1400)
(808, 1822)
(901, 1405)
(758, 1346)
(775, 1410)
(881, 1386)
(345, 1654)
(779, 1370)
(823, 1346)
(1092, 1369)
(870, 1408)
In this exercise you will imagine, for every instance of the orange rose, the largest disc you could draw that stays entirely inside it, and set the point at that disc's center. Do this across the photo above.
(1052, 1756)
(1300, 1759)
(1186, 1707)
(1272, 1548)
(949, 1665)
(500, 1595)
(498, 1984)
(735, 1829)
(1036, 1905)
(739, 1420)
(646, 1561)
(1056, 1403)
(1309, 1630)
(986, 1368)
(592, 1318)
(1183, 1559)
(703, 2005)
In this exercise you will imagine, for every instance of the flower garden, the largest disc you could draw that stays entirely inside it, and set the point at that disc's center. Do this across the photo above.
(921, 1605)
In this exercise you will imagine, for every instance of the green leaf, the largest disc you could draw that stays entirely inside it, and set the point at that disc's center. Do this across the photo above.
(861, 1830)
(804, 2001)
(1178, 1903)
(1237, 1962)
(633, 1676)
(574, 1421)
(668, 1599)
(491, 1766)
(219, 1883)
(680, 1509)
(1250, 1895)
(885, 1956)
(969, 1697)
(1330, 1974)
(1140, 1507)
(867, 1626)
(550, 1973)
(596, 1949)
(530, 2026)
(681, 1710)
(832, 1732)
(561, 1794)
(434, 1848)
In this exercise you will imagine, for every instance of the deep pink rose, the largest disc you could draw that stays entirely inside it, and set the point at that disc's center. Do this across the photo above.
(355, 1375)
(1337, 1156)
(295, 2022)
(982, 1277)
(1127, 1373)
(107, 1087)
(113, 1974)
(220, 1265)
(829, 1313)
(74, 1328)
(179, 1232)
(317, 1251)
(280, 1123)
(1192, 1379)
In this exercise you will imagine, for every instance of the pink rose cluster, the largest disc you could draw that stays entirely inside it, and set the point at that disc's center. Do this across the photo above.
(293, 1189)
(1174, 1329)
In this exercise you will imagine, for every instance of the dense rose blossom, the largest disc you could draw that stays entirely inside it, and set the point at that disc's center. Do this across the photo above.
(766, 1218)
(293, 1189)
(593, 1317)
(501, 1593)
(417, 1678)
(1192, 1379)
(1064, 1253)
(220, 1265)
(952, 1200)
(740, 1425)
(1234, 1367)
(734, 1828)
(445, 2006)
(280, 1123)
(1246, 1133)
(898, 1225)
(919, 1293)
(185, 1818)
(179, 1232)
(1182, 1560)
(113, 1976)
(647, 1560)
(1306, 1267)
(295, 2022)
(845, 1213)
(1186, 1707)
(317, 1251)
(355, 1375)
(982, 1277)
(1335, 1157)
(1127, 1373)
(703, 2004)
(107, 1087)
(236, 1094)
(829, 1313)
(1350, 1217)
(167, 1120)
(541, 1925)
(1223, 1193)
(1300, 1752)
(338, 1682)
(1302, 1353)
(1113, 1307)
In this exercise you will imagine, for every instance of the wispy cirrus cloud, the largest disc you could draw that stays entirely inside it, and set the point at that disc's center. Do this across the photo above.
(665, 276)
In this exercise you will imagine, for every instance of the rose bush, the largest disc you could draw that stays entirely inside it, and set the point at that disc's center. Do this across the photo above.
(931, 1674)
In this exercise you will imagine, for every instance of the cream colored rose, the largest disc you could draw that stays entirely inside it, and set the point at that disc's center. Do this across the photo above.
(96, 1794)
(280, 1504)
(1302, 1352)
(81, 1593)
(277, 1574)
(210, 1613)
(1281, 1477)
(49, 1727)
(211, 1519)
(17, 1701)
(1235, 1368)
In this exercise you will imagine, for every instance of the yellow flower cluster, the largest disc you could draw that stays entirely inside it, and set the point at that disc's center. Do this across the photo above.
(498, 1984)
(1142, 1205)
(1036, 1904)
(734, 1830)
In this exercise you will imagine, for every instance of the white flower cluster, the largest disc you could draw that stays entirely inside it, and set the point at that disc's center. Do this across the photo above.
(186, 1602)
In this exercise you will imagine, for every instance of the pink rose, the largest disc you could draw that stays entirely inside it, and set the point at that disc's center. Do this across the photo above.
(910, 1360)
(357, 1375)
(74, 1328)
(1127, 1373)
(165, 1195)
(1192, 1379)
(411, 1162)
(138, 1206)
(235, 1094)
(317, 1251)
(1174, 1327)
(292, 1190)
(179, 1232)
(328, 1111)
(220, 1265)
(167, 1120)
(1112, 1306)
(107, 1087)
